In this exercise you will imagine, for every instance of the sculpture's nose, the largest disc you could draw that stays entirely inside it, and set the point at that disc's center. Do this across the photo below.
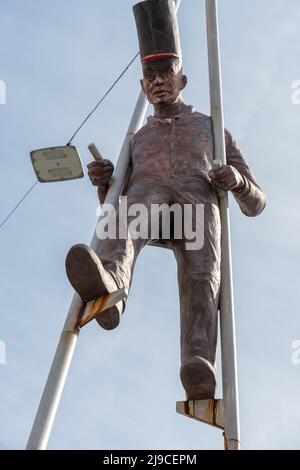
(159, 80)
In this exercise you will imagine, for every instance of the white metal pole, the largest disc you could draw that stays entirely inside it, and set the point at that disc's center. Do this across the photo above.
(44, 420)
(229, 364)
(50, 400)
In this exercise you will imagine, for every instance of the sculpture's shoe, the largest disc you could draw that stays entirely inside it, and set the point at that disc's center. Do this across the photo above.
(198, 378)
(91, 281)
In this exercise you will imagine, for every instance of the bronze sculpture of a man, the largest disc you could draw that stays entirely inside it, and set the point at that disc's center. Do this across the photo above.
(171, 163)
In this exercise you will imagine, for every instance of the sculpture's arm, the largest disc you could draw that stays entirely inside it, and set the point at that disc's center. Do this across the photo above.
(100, 172)
(248, 194)
(102, 190)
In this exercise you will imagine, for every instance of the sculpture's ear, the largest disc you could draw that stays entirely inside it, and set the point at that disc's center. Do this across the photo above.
(184, 81)
(143, 85)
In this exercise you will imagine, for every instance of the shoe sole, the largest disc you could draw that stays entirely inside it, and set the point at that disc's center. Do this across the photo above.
(198, 379)
(84, 273)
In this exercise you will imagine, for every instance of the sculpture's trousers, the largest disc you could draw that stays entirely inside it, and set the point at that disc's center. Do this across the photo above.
(198, 269)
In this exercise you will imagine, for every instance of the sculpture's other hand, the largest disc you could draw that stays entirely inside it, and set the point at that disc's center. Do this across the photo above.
(100, 172)
(226, 178)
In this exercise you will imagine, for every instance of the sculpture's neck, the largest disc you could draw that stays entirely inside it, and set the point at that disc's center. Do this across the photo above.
(169, 110)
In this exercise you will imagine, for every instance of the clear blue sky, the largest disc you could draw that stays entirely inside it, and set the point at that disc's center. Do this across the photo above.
(57, 59)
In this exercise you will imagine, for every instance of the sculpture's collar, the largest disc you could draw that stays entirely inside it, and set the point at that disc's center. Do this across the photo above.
(187, 111)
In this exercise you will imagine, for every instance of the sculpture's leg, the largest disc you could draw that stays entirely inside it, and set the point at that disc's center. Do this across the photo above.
(199, 289)
(199, 299)
(118, 254)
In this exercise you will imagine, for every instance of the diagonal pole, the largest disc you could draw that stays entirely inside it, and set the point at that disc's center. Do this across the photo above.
(44, 420)
(229, 364)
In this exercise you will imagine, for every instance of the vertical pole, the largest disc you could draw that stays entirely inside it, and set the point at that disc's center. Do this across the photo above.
(229, 364)
(44, 420)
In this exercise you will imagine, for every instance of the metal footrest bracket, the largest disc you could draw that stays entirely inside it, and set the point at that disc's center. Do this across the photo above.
(94, 308)
(207, 411)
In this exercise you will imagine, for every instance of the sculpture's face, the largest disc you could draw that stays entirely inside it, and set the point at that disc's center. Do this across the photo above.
(163, 82)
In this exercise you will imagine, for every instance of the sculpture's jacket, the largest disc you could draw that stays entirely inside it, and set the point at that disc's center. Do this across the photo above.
(166, 149)
(170, 162)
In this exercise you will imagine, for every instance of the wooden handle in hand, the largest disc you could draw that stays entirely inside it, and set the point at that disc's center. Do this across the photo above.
(95, 152)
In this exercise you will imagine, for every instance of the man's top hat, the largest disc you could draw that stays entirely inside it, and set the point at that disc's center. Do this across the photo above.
(158, 31)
